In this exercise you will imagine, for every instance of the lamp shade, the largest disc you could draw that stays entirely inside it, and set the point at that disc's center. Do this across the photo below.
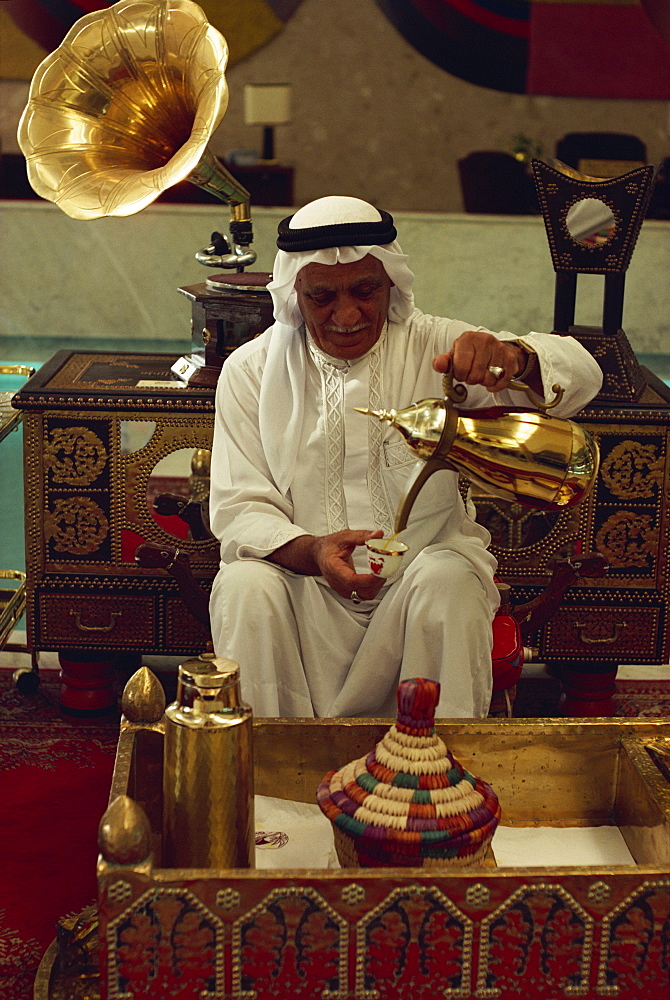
(267, 103)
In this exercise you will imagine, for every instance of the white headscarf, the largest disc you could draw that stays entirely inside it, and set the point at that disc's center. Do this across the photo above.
(328, 212)
(281, 401)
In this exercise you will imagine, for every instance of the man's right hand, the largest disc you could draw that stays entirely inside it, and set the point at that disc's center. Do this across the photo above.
(330, 556)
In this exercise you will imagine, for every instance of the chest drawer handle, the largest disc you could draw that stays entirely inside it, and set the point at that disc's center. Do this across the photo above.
(583, 637)
(114, 615)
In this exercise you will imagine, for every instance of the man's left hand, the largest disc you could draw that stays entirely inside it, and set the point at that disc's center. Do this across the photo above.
(475, 352)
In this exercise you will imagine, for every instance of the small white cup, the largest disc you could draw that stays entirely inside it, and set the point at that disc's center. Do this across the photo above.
(385, 555)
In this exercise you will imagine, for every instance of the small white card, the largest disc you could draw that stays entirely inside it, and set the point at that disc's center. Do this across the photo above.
(152, 383)
(549, 846)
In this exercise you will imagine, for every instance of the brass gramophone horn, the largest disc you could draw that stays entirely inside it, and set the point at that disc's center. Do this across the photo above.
(124, 108)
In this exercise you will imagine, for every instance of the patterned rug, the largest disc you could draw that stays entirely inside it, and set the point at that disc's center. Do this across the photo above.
(55, 776)
(537, 697)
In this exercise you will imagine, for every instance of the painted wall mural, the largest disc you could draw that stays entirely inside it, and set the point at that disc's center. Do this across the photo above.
(30, 29)
(570, 48)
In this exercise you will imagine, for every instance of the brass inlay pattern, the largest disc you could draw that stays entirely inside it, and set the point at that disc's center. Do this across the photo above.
(180, 404)
(228, 899)
(641, 898)
(627, 539)
(168, 906)
(76, 525)
(352, 894)
(599, 892)
(546, 893)
(478, 894)
(119, 891)
(632, 470)
(74, 455)
(271, 902)
(114, 586)
(414, 900)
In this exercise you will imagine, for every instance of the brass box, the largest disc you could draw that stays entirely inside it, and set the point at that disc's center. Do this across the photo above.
(378, 934)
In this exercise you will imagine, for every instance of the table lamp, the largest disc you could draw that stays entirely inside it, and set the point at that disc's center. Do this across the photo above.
(267, 104)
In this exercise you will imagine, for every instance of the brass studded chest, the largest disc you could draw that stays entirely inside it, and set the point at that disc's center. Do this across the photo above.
(104, 434)
(623, 616)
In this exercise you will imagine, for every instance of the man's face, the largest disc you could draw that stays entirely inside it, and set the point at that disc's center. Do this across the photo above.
(344, 305)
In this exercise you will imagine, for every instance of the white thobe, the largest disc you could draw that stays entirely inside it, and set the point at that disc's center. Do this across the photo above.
(302, 649)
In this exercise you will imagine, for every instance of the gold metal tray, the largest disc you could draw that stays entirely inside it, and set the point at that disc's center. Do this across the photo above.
(482, 932)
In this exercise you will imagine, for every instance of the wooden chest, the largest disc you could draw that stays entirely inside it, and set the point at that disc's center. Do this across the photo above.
(623, 616)
(104, 434)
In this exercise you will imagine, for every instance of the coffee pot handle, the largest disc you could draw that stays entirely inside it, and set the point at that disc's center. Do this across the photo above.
(427, 469)
(537, 402)
(457, 393)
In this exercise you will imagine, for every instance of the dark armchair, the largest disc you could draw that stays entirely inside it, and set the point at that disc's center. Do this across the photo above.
(600, 153)
(495, 183)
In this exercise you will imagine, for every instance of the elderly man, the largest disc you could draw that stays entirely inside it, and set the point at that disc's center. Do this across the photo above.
(300, 480)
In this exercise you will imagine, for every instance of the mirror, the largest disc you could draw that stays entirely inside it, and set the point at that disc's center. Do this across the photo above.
(135, 434)
(177, 488)
(590, 222)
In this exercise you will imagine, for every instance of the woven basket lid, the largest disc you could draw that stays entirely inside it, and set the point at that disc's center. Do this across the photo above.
(409, 799)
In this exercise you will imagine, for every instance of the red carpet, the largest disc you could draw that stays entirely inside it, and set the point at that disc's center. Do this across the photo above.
(54, 783)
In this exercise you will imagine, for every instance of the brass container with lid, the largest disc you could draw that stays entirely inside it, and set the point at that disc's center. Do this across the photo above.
(208, 795)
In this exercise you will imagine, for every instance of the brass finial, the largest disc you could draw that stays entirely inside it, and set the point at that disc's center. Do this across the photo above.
(387, 415)
(124, 834)
(143, 698)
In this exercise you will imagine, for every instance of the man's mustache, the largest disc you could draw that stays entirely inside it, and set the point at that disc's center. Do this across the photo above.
(345, 329)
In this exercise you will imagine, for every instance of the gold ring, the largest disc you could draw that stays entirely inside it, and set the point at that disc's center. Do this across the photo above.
(355, 599)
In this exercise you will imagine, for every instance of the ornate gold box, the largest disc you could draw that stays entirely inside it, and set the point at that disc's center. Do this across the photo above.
(487, 932)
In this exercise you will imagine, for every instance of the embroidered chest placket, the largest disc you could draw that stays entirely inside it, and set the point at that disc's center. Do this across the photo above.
(333, 378)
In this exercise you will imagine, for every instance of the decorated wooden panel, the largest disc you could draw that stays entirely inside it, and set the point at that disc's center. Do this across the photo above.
(546, 936)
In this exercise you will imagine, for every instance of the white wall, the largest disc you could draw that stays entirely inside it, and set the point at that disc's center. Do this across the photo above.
(117, 278)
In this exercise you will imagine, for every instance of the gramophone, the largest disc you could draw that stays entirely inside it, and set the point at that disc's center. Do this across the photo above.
(122, 110)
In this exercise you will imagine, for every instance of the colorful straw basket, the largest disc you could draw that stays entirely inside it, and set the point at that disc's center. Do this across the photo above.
(409, 802)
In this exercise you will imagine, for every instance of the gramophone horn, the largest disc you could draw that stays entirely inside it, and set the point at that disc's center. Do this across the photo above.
(124, 108)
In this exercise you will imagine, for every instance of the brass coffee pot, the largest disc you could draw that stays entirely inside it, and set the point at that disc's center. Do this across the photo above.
(527, 457)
